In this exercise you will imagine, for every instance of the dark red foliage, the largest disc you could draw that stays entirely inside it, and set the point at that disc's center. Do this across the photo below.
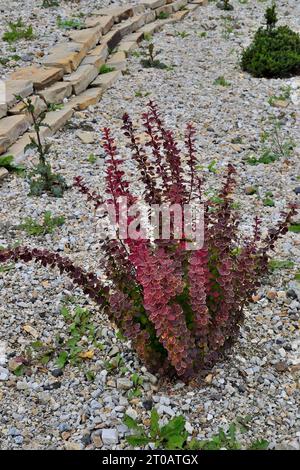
(181, 309)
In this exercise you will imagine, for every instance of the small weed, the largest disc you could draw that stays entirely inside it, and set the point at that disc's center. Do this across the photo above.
(295, 228)
(92, 158)
(150, 60)
(173, 435)
(69, 23)
(220, 81)
(55, 106)
(212, 167)
(268, 202)
(7, 162)
(182, 34)
(5, 60)
(18, 31)
(284, 95)
(163, 15)
(297, 277)
(225, 5)
(32, 227)
(141, 94)
(135, 54)
(275, 264)
(202, 34)
(42, 179)
(50, 3)
(148, 37)
(105, 69)
(170, 436)
(274, 145)
(137, 382)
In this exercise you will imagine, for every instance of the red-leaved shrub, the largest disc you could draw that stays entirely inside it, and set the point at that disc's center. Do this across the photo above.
(181, 308)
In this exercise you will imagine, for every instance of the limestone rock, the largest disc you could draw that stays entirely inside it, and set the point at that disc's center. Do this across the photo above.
(57, 92)
(81, 79)
(41, 77)
(85, 99)
(106, 80)
(55, 120)
(66, 55)
(105, 23)
(22, 88)
(11, 128)
(89, 37)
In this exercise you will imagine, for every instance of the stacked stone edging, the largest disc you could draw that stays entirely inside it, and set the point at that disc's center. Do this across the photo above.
(71, 69)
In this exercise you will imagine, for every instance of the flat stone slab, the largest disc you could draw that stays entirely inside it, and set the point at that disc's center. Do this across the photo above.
(55, 120)
(168, 9)
(88, 98)
(20, 108)
(97, 56)
(56, 93)
(41, 77)
(153, 3)
(3, 110)
(118, 61)
(89, 37)
(127, 47)
(118, 13)
(106, 80)
(22, 88)
(17, 150)
(130, 26)
(81, 79)
(111, 39)
(11, 127)
(105, 23)
(66, 56)
(179, 4)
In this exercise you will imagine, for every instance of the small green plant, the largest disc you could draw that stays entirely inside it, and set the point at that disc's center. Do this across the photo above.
(163, 15)
(148, 37)
(5, 60)
(135, 54)
(42, 179)
(182, 34)
(228, 28)
(275, 264)
(274, 144)
(174, 436)
(212, 167)
(69, 23)
(105, 69)
(225, 5)
(142, 94)
(285, 94)
(92, 158)
(81, 331)
(32, 227)
(221, 81)
(202, 34)
(150, 60)
(170, 436)
(137, 382)
(295, 228)
(50, 3)
(274, 52)
(55, 106)
(268, 202)
(8, 163)
(18, 31)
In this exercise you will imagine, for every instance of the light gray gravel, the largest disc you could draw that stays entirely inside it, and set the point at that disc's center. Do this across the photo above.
(260, 378)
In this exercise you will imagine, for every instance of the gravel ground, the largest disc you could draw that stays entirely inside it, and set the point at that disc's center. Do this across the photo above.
(260, 378)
